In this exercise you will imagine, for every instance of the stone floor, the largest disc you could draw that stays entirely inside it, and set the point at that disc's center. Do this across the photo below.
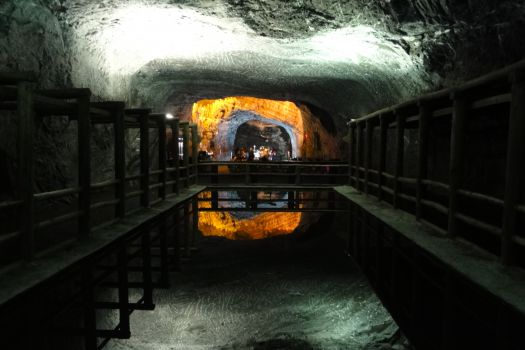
(279, 293)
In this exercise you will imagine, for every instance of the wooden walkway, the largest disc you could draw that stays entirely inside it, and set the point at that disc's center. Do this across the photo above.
(147, 219)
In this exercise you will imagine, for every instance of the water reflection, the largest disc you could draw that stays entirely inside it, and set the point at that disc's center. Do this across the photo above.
(251, 214)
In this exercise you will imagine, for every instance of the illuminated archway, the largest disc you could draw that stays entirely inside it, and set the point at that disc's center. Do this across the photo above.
(227, 130)
(218, 120)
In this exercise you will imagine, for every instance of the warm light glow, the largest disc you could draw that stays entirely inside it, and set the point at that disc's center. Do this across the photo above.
(224, 224)
(260, 226)
(169, 116)
(215, 118)
(219, 119)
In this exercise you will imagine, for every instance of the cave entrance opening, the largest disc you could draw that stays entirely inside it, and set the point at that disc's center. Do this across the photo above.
(227, 123)
(258, 140)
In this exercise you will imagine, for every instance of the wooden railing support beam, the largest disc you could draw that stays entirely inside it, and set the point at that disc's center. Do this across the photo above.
(456, 158)
(515, 167)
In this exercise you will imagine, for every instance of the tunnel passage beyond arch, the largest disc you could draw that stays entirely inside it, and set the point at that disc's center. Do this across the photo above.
(247, 129)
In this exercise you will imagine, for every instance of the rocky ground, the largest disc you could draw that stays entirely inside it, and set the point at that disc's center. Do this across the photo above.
(280, 293)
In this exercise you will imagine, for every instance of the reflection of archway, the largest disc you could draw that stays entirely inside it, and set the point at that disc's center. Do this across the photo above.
(227, 130)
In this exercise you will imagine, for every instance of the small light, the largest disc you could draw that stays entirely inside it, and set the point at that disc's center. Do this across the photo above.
(169, 116)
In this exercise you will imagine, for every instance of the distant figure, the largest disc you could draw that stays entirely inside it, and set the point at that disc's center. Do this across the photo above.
(244, 154)
(251, 155)
(264, 154)
(236, 154)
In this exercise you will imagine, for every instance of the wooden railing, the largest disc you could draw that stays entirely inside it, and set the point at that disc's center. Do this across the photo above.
(445, 201)
(276, 173)
(19, 98)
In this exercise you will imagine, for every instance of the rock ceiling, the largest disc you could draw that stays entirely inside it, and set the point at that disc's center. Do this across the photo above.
(344, 56)
(338, 55)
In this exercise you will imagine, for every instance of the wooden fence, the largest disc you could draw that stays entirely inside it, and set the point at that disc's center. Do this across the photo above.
(420, 156)
(276, 173)
(172, 171)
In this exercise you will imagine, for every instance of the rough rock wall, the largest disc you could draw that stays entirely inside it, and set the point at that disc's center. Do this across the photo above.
(34, 37)
(31, 39)
(462, 39)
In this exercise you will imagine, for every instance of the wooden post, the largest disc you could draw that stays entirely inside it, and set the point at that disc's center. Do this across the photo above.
(515, 167)
(194, 221)
(456, 158)
(123, 294)
(175, 130)
(297, 174)
(89, 312)
(253, 200)
(358, 159)
(214, 199)
(351, 138)
(164, 280)
(144, 159)
(185, 153)
(25, 168)
(84, 163)
(422, 163)
(186, 219)
(146, 269)
(368, 151)
(195, 151)
(291, 199)
(247, 173)
(162, 156)
(120, 161)
(383, 130)
(400, 152)
(176, 237)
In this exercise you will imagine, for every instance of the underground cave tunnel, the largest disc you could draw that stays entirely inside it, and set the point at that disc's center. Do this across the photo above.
(390, 215)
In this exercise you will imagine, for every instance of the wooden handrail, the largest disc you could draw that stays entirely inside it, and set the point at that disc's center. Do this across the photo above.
(479, 224)
(101, 185)
(481, 197)
(10, 204)
(459, 104)
(57, 193)
(501, 75)
(58, 220)
(17, 93)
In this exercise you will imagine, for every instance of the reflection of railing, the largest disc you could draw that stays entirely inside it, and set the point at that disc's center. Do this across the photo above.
(445, 202)
(285, 173)
(312, 199)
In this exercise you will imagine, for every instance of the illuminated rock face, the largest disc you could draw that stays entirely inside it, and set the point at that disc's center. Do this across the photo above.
(219, 120)
(348, 57)
(170, 54)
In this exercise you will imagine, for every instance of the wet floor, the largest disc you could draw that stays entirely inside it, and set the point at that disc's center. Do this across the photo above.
(280, 293)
